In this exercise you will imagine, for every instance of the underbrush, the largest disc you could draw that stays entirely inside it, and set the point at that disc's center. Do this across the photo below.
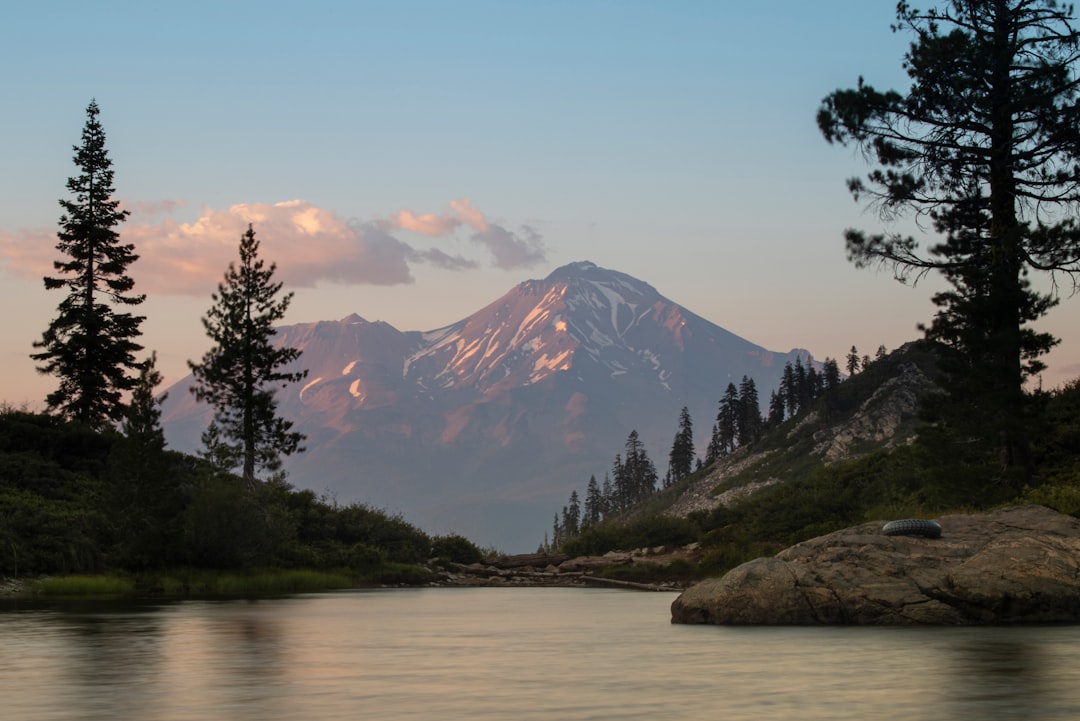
(84, 586)
(193, 582)
(678, 571)
(265, 582)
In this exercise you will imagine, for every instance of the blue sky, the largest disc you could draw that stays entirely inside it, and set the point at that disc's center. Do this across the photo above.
(412, 161)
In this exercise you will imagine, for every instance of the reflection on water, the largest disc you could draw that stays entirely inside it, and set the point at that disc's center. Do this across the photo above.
(1014, 675)
(506, 654)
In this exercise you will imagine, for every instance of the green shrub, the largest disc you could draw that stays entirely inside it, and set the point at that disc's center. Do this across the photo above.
(1062, 498)
(645, 532)
(456, 549)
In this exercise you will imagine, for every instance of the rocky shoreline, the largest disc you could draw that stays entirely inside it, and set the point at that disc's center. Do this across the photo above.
(540, 569)
(12, 586)
(1013, 565)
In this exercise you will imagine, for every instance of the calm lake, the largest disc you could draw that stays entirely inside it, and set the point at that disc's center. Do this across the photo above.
(508, 654)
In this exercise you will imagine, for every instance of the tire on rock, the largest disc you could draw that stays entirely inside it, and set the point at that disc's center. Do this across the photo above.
(912, 527)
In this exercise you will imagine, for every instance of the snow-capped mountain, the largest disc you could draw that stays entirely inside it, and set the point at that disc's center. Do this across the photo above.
(485, 426)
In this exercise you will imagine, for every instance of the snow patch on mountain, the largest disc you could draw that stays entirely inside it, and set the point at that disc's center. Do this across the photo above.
(309, 386)
(614, 302)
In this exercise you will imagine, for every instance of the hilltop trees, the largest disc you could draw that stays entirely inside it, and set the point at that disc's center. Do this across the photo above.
(681, 457)
(738, 420)
(594, 503)
(986, 145)
(90, 345)
(240, 373)
(635, 477)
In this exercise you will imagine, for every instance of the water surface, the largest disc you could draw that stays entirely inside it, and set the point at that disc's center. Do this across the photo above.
(513, 654)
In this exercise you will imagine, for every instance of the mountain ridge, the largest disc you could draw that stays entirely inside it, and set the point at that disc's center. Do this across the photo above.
(478, 426)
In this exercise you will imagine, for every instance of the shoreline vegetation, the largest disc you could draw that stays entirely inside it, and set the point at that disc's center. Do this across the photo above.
(85, 516)
(538, 570)
(641, 570)
(176, 584)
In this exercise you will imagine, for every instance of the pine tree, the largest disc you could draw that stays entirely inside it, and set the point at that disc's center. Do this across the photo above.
(90, 345)
(830, 374)
(620, 485)
(802, 384)
(608, 492)
(985, 144)
(572, 516)
(750, 423)
(715, 448)
(638, 471)
(776, 409)
(239, 375)
(727, 420)
(681, 458)
(853, 361)
(789, 390)
(594, 504)
(142, 417)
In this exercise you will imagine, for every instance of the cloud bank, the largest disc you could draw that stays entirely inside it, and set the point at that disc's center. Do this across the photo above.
(309, 245)
(507, 249)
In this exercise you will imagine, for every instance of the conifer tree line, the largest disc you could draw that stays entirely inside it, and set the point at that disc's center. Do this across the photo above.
(91, 344)
(739, 422)
(632, 479)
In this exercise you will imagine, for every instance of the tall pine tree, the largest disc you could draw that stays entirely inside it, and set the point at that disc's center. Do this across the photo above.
(239, 375)
(985, 144)
(681, 458)
(594, 504)
(90, 345)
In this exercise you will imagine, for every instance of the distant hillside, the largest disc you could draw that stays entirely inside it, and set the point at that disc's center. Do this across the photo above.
(860, 453)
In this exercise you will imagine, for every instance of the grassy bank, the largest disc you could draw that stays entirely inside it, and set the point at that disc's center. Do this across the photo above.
(179, 583)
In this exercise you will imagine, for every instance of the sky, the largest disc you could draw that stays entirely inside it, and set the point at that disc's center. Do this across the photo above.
(413, 160)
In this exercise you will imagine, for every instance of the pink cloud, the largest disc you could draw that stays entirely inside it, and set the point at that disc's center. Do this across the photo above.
(508, 249)
(460, 212)
(469, 215)
(426, 224)
(309, 244)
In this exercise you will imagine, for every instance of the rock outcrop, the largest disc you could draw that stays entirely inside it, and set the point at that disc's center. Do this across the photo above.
(880, 417)
(1014, 565)
(885, 419)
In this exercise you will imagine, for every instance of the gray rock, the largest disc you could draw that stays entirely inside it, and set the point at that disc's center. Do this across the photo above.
(1014, 565)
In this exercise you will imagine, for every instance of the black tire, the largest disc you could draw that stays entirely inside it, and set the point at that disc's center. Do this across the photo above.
(912, 527)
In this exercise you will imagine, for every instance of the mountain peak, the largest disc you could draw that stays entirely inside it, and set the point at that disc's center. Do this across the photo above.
(587, 271)
(489, 421)
(578, 269)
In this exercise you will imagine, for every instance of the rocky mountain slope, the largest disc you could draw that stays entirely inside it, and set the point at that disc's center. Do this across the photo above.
(483, 426)
(875, 409)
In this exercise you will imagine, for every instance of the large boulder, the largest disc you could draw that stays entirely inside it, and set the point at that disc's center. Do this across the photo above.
(1014, 565)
